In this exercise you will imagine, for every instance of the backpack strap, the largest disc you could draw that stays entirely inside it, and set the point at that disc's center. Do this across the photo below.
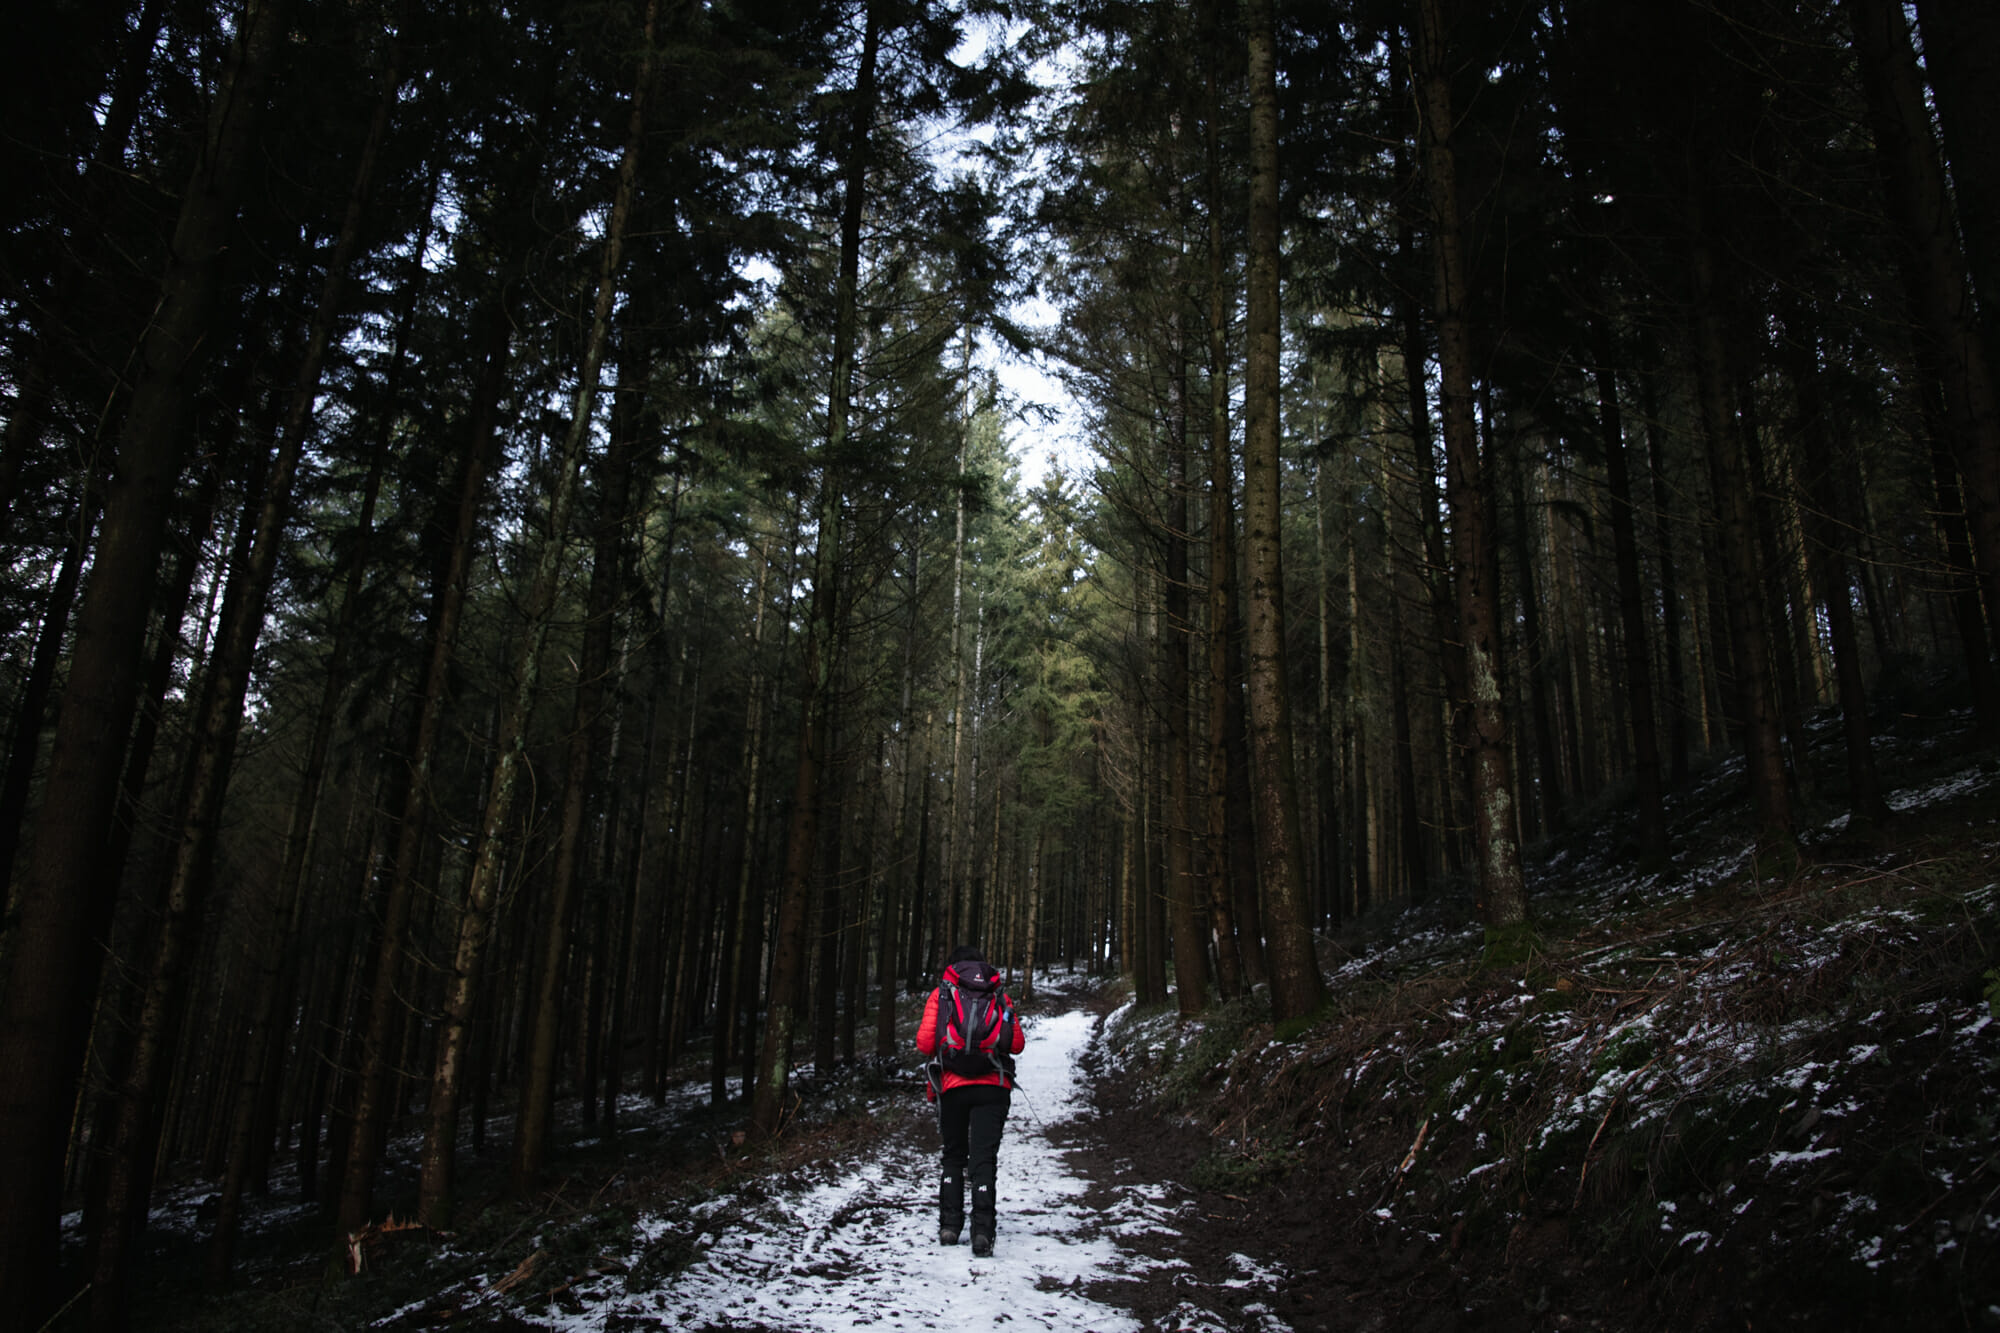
(947, 994)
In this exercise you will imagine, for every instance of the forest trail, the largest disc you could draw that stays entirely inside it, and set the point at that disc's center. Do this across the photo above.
(852, 1244)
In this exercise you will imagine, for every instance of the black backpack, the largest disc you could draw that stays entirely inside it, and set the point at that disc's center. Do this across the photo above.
(974, 1022)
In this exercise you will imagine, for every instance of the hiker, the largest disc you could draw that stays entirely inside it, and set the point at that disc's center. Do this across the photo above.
(971, 1034)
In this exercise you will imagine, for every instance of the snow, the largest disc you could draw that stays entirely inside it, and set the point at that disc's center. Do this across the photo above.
(1966, 782)
(1257, 1275)
(858, 1248)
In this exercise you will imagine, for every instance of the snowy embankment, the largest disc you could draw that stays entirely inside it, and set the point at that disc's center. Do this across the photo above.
(1706, 1099)
(858, 1248)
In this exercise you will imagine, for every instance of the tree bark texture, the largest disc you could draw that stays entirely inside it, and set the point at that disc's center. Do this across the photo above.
(819, 667)
(1475, 563)
(1190, 945)
(1962, 57)
(738, 975)
(587, 741)
(133, 1137)
(1237, 952)
(1950, 341)
(278, 979)
(482, 891)
(1297, 988)
(1631, 601)
(373, 1083)
(64, 898)
(1825, 528)
(1732, 486)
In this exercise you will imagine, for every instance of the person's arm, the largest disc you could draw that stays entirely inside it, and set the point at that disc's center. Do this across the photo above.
(1019, 1040)
(927, 1027)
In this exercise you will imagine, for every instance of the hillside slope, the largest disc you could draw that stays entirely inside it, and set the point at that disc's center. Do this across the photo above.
(1708, 1099)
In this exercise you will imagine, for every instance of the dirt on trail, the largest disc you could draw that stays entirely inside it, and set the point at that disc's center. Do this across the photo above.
(1300, 1253)
(1103, 1229)
(1296, 1277)
(1280, 1257)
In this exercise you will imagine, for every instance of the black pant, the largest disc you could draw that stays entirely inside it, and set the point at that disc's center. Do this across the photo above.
(971, 1119)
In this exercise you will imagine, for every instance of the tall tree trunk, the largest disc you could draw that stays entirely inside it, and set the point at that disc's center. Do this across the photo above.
(1451, 795)
(1153, 921)
(632, 919)
(1409, 812)
(1130, 947)
(81, 258)
(1784, 599)
(1675, 702)
(736, 980)
(1190, 948)
(1296, 986)
(1962, 57)
(1239, 950)
(373, 1059)
(482, 891)
(587, 742)
(1033, 925)
(1502, 888)
(133, 1140)
(819, 664)
(1732, 485)
(910, 769)
(854, 933)
(1231, 869)
(1961, 580)
(1934, 272)
(32, 706)
(271, 1006)
(46, 1006)
(1336, 683)
(832, 895)
(959, 815)
(1535, 654)
(1826, 549)
(1631, 601)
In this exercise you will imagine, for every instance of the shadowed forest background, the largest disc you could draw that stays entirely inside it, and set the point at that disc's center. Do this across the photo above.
(515, 563)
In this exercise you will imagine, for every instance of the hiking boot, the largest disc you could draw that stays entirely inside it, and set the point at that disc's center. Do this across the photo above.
(982, 1243)
(948, 1233)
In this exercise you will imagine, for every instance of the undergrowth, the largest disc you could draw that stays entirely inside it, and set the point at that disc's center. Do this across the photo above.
(1763, 1094)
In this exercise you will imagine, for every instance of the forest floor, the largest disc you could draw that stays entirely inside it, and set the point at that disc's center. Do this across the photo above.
(832, 1228)
(1718, 1095)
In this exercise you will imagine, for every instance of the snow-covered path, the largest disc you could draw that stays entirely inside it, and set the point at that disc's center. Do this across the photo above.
(858, 1249)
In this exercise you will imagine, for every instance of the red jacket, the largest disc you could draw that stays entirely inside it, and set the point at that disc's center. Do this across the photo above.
(927, 1043)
